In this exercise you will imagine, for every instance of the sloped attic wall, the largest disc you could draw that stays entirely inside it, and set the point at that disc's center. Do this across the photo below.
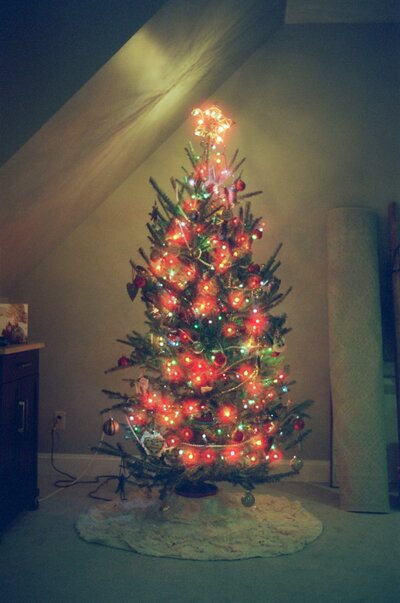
(118, 118)
(315, 112)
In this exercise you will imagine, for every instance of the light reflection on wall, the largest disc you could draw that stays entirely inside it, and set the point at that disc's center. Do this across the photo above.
(121, 116)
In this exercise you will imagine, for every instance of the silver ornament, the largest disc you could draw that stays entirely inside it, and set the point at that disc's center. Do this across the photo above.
(258, 293)
(198, 347)
(248, 499)
(227, 214)
(296, 463)
(111, 426)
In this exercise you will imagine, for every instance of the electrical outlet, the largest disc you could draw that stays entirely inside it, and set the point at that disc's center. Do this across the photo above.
(60, 420)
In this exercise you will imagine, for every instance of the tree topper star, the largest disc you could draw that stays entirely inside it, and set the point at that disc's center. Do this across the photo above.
(211, 123)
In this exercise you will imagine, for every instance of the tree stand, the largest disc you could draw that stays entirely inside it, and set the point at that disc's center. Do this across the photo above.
(196, 489)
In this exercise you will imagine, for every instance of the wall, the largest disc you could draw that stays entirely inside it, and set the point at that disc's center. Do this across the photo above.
(315, 112)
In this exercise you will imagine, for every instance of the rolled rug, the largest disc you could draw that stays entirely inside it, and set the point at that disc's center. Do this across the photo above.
(356, 363)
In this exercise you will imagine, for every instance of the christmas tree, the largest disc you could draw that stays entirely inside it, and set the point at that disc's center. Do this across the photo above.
(210, 403)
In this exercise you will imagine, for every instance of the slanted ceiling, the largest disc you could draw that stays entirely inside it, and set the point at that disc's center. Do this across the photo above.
(119, 117)
(130, 106)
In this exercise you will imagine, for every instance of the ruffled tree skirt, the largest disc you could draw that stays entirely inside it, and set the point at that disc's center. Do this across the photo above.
(218, 527)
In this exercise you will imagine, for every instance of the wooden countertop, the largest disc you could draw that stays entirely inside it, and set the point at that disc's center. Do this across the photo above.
(20, 347)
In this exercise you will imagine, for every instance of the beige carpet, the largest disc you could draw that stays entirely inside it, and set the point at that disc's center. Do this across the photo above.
(355, 560)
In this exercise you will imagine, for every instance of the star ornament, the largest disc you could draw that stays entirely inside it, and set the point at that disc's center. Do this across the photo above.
(211, 124)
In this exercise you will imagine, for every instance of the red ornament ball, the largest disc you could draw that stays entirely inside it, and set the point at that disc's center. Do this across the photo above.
(240, 185)
(253, 268)
(139, 281)
(298, 424)
(220, 359)
(110, 427)
(123, 361)
(155, 255)
(238, 436)
(206, 417)
(257, 233)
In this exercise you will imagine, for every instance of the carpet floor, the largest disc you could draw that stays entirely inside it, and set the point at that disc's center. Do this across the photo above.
(355, 560)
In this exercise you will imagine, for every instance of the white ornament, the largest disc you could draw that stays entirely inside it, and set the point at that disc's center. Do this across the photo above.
(142, 385)
(153, 443)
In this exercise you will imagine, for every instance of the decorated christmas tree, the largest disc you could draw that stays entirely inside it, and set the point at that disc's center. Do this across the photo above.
(210, 400)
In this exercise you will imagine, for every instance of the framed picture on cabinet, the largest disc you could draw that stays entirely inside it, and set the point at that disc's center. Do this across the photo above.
(13, 323)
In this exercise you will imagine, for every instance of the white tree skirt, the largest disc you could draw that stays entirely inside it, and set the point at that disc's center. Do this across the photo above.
(217, 527)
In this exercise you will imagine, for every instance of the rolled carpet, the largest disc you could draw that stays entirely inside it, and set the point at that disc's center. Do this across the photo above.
(356, 363)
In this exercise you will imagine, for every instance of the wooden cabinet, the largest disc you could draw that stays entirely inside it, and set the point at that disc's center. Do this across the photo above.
(19, 396)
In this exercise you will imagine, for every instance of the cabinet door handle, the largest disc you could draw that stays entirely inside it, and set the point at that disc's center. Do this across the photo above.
(25, 364)
(21, 415)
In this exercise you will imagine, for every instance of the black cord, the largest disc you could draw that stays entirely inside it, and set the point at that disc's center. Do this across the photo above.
(101, 480)
(71, 477)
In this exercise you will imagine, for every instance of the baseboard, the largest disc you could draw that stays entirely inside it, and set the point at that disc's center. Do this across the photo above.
(100, 464)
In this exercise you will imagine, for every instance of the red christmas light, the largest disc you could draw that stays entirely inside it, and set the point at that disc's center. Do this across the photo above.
(190, 456)
(184, 336)
(254, 387)
(211, 374)
(202, 373)
(275, 455)
(172, 440)
(229, 329)
(189, 272)
(199, 228)
(254, 281)
(169, 301)
(245, 371)
(232, 455)
(170, 417)
(242, 241)
(201, 171)
(179, 233)
(151, 400)
(139, 417)
(259, 442)
(270, 394)
(256, 323)
(236, 299)
(190, 205)
(186, 359)
(227, 414)
(191, 407)
(222, 257)
(205, 305)
(172, 371)
(207, 287)
(208, 456)
(186, 434)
